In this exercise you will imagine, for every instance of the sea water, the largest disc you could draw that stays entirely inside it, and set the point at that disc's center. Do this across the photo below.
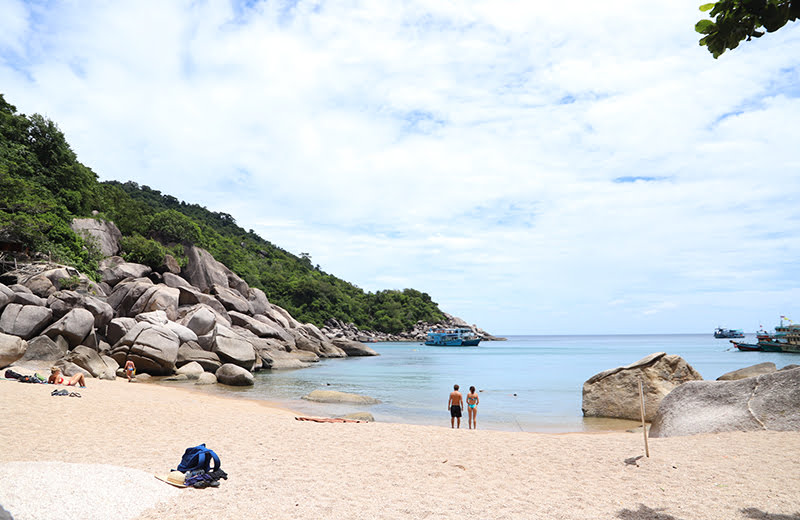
(527, 383)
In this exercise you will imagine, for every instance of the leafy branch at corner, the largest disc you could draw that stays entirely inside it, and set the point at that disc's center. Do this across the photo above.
(735, 20)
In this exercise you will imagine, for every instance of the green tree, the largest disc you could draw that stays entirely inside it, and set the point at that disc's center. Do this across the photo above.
(173, 226)
(733, 21)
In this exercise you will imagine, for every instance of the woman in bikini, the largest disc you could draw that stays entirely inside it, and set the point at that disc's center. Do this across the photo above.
(57, 379)
(472, 407)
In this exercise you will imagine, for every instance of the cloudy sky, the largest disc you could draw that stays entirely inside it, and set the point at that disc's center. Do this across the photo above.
(581, 167)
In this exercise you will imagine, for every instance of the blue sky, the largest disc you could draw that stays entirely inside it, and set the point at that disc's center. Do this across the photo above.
(575, 168)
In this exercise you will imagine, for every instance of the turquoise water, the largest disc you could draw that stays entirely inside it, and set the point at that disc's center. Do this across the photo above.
(528, 383)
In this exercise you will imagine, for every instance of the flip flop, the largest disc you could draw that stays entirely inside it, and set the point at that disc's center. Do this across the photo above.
(74, 394)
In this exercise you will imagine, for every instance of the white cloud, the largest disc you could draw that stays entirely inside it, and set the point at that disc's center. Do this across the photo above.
(485, 153)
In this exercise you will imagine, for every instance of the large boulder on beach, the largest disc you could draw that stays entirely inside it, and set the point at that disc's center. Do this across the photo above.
(12, 348)
(42, 348)
(200, 319)
(615, 392)
(25, 321)
(235, 350)
(117, 328)
(765, 402)
(234, 375)
(62, 302)
(126, 293)
(191, 370)
(74, 326)
(157, 298)
(332, 396)
(89, 360)
(751, 371)
(153, 348)
(191, 352)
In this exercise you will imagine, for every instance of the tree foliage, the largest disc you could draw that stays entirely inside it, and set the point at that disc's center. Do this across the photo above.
(733, 21)
(43, 186)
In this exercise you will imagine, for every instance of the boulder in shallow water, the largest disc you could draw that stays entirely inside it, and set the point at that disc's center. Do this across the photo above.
(234, 375)
(332, 396)
(615, 393)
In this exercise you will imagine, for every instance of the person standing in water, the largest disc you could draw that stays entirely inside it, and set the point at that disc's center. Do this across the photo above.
(472, 407)
(454, 404)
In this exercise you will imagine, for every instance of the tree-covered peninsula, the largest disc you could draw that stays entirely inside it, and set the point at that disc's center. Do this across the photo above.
(43, 187)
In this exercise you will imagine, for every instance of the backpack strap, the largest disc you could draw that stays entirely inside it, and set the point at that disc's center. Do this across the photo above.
(215, 457)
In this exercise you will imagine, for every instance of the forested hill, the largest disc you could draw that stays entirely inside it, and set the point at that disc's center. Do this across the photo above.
(43, 187)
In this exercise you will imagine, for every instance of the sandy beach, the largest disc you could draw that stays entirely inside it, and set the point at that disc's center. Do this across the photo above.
(279, 467)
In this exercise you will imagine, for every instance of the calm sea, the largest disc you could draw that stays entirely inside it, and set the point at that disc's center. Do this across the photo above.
(528, 383)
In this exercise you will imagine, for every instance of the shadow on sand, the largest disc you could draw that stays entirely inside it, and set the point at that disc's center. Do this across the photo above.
(644, 513)
(752, 512)
(648, 513)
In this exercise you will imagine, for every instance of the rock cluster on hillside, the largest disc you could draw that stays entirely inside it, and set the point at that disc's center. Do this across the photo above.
(205, 316)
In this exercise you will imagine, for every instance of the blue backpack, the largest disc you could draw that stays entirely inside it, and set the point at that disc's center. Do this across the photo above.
(198, 458)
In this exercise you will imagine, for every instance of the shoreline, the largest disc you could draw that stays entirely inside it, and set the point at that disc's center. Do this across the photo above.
(298, 469)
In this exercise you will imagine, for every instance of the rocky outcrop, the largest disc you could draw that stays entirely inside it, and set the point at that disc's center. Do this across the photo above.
(104, 233)
(206, 318)
(615, 392)
(332, 396)
(353, 348)
(337, 329)
(751, 371)
(764, 402)
(12, 348)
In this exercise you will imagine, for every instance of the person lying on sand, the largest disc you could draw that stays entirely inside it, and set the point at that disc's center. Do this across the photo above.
(57, 379)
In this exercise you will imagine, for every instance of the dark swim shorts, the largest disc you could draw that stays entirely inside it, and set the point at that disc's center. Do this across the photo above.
(455, 411)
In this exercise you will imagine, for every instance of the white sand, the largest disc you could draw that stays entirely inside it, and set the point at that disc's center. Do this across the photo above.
(283, 468)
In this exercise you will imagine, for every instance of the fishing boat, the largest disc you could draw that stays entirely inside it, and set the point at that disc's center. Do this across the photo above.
(747, 347)
(452, 338)
(786, 338)
(719, 332)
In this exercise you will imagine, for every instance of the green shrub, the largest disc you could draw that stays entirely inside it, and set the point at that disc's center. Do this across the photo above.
(141, 250)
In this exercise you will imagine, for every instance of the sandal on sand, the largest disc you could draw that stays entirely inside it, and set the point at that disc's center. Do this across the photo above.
(59, 392)
(74, 394)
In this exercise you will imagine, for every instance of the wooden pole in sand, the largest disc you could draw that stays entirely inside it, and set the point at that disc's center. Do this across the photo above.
(644, 426)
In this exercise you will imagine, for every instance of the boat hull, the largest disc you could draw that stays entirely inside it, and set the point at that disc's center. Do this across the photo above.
(747, 347)
(455, 343)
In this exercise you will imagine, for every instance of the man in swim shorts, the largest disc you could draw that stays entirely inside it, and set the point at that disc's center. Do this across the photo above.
(454, 404)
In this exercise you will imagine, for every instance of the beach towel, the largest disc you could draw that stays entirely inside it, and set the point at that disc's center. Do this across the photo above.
(327, 419)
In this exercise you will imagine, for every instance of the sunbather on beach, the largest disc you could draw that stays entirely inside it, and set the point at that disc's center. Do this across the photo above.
(472, 407)
(454, 404)
(57, 379)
